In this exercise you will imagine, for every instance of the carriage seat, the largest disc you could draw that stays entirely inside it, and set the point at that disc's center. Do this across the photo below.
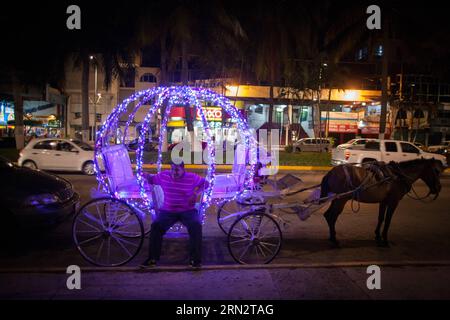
(119, 173)
(233, 182)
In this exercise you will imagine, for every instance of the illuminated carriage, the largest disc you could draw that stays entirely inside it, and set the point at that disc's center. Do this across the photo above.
(110, 229)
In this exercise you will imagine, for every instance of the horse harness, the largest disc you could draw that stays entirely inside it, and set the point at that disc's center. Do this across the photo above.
(381, 173)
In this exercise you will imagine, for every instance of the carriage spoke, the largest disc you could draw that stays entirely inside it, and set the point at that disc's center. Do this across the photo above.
(100, 216)
(263, 246)
(125, 241)
(90, 239)
(89, 225)
(126, 233)
(119, 218)
(108, 250)
(99, 250)
(117, 227)
(263, 225)
(273, 233)
(238, 241)
(91, 218)
(245, 251)
(268, 244)
(123, 247)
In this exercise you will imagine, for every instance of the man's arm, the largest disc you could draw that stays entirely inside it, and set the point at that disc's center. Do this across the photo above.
(151, 178)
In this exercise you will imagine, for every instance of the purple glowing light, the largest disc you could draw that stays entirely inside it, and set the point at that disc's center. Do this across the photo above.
(170, 96)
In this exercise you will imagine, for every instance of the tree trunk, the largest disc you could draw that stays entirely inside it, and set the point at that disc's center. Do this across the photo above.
(270, 120)
(327, 120)
(85, 98)
(163, 60)
(185, 81)
(18, 113)
(384, 76)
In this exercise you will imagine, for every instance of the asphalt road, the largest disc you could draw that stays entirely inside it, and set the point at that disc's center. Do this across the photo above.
(420, 235)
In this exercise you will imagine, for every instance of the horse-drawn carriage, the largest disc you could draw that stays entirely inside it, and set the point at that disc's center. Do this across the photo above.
(110, 229)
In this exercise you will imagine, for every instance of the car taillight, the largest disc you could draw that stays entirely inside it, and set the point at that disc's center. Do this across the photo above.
(347, 154)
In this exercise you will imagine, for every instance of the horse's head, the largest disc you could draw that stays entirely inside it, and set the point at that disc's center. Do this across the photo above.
(430, 174)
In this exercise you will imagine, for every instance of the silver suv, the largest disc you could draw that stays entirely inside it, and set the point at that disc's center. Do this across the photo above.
(313, 144)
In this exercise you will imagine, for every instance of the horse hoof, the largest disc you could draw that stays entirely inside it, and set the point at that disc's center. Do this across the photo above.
(335, 243)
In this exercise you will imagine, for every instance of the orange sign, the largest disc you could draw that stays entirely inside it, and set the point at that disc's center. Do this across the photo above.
(212, 113)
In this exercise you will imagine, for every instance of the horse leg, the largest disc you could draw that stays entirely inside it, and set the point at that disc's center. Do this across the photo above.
(381, 213)
(389, 213)
(331, 216)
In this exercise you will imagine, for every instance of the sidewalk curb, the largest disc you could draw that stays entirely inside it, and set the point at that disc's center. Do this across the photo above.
(352, 264)
(229, 167)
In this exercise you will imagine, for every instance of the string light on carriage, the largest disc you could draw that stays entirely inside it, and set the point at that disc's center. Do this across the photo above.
(172, 96)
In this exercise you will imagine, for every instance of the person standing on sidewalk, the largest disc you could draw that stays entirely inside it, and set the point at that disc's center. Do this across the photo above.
(181, 190)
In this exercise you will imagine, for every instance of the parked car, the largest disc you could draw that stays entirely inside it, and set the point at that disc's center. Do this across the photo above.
(148, 145)
(58, 154)
(441, 148)
(354, 143)
(33, 198)
(382, 150)
(420, 146)
(313, 144)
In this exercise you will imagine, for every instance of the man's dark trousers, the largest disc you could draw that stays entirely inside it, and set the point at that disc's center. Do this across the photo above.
(164, 220)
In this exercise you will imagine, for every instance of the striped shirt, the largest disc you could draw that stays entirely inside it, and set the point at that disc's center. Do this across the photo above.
(179, 194)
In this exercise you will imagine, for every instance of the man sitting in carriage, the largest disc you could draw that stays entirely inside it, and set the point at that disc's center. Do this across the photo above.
(181, 190)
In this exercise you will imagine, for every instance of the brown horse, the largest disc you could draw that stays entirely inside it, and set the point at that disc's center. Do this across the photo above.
(377, 183)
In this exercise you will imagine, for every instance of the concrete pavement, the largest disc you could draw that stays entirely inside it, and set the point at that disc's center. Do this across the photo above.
(243, 284)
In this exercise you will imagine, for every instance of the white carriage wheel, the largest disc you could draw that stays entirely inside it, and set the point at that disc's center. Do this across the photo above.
(226, 213)
(101, 231)
(254, 238)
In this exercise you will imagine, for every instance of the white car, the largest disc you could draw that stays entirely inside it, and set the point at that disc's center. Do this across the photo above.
(383, 150)
(440, 148)
(354, 143)
(58, 154)
(313, 145)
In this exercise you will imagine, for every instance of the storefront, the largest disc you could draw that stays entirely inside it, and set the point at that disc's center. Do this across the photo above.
(221, 124)
(6, 114)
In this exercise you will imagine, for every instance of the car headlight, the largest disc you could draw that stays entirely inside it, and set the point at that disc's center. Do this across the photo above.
(41, 199)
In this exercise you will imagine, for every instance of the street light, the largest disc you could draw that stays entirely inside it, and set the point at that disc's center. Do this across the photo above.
(96, 94)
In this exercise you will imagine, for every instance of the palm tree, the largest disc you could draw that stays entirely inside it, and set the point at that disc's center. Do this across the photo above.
(269, 27)
(111, 43)
(322, 42)
(184, 30)
(24, 68)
